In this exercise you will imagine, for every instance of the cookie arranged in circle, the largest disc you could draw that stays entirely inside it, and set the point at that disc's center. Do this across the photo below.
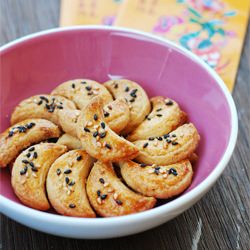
(23, 134)
(117, 114)
(29, 173)
(136, 97)
(81, 91)
(47, 107)
(161, 182)
(66, 183)
(165, 116)
(110, 197)
(169, 148)
(98, 139)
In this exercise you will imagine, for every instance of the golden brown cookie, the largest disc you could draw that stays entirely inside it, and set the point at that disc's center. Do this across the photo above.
(81, 91)
(161, 182)
(23, 134)
(30, 171)
(117, 114)
(136, 98)
(164, 117)
(42, 106)
(170, 148)
(98, 139)
(69, 141)
(110, 197)
(66, 184)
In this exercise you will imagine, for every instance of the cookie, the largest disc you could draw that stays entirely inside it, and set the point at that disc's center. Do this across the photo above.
(69, 141)
(164, 118)
(161, 182)
(42, 106)
(110, 197)
(170, 148)
(136, 98)
(81, 91)
(117, 114)
(66, 184)
(98, 139)
(29, 173)
(23, 134)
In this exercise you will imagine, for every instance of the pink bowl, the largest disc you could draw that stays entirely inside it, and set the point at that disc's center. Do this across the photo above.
(38, 63)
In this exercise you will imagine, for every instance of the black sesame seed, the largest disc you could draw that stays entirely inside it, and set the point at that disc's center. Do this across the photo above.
(132, 93)
(157, 168)
(31, 164)
(168, 140)
(103, 134)
(102, 180)
(106, 114)
(21, 129)
(159, 138)
(67, 171)
(34, 169)
(173, 171)
(132, 100)
(30, 125)
(73, 85)
(35, 155)
(143, 165)
(25, 161)
(103, 196)
(90, 93)
(95, 134)
(28, 155)
(60, 107)
(151, 138)
(159, 115)
(72, 205)
(67, 179)
(119, 202)
(40, 102)
(108, 146)
(58, 171)
(103, 125)
(173, 135)
(95, 117)
(160, 109)
(174, 143)
(148, 119)
(145, 145)
(24, 170)
(83, 82)
(44, 98)
(11, 133)
(169, 103)
(98, 193)
(127, 89)
(156, 171)
(31, 149)
(78, 158)
(72, 183)
(51, 110)
(88, 88)
(166, 136)
(86, 129)
(116, 86)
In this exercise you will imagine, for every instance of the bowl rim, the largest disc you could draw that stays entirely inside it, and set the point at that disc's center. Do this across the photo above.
(9, 205)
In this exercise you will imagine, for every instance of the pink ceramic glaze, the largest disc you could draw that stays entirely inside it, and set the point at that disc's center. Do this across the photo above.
(37, 64)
